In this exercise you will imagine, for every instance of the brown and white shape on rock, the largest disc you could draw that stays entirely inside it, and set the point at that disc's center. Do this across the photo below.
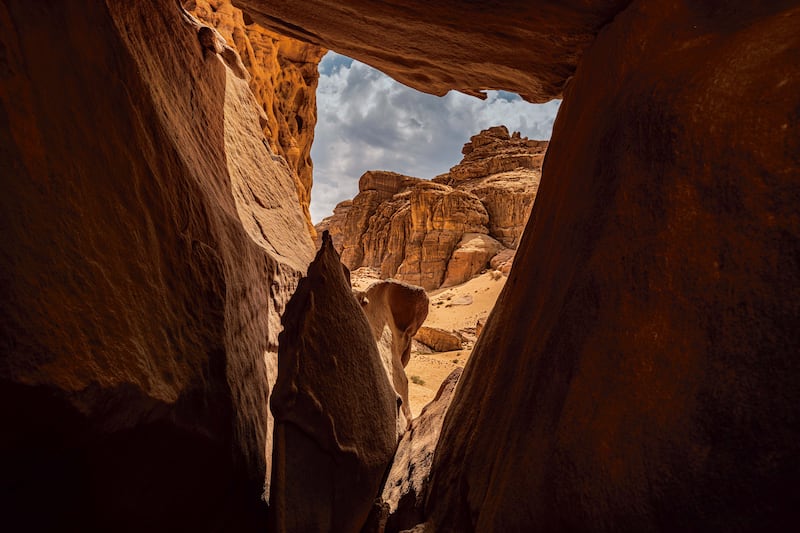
(139, 296)
(395, 311)
(335, 410)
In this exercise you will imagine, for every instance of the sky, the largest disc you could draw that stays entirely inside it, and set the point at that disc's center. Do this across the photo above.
(368, 121)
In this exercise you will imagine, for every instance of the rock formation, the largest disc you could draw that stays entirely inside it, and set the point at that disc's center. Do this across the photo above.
(444, 231)
(640, 367)
(530, 48)
(283, 77)
(335, 410)
(438, 340)
(406, 484)
(395, 312)
(639, 372)
(150, 243)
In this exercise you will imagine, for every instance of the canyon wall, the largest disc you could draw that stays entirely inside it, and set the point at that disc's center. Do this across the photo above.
(640, 369)
(444, 231)
(150, 243)
(283, 78)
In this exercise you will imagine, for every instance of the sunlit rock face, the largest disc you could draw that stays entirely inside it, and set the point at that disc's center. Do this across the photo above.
(150, 243)
(442, 232)
(395, 312)
(284, 80)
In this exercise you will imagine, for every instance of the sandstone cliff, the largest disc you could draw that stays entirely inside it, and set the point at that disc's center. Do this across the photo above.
(283, 77)
(444, 231)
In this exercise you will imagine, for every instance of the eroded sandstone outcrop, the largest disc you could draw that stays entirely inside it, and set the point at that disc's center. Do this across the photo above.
(444, 231)
(335, 409)
(395, 312)
(283, 77)
(149, 246)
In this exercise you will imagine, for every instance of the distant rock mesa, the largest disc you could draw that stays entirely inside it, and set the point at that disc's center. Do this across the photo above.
(442, 232)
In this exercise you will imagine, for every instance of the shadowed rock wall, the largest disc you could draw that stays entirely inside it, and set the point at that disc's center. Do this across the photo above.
(640, 368)
(149, 245)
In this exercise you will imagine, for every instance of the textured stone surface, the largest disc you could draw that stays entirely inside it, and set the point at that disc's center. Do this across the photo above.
(395, 312)
(528, 47)
(407, 481)
(503, 260)
(438, 339)
(470, 257)
(140, 296)
(640, 367)
(283, 77)
(335, 409)
(415, 229)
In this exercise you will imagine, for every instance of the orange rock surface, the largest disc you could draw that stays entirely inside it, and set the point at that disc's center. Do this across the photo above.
(283, 77)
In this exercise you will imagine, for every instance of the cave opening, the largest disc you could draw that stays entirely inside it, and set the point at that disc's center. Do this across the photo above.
(432, 191)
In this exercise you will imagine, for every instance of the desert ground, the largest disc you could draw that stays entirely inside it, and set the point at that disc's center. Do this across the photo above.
(456, 308)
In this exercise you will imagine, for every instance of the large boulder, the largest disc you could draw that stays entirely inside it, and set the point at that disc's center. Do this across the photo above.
(438, 340)
(335, 410)
(470, 257)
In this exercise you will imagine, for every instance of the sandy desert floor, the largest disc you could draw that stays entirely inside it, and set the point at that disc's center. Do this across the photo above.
(454, 308)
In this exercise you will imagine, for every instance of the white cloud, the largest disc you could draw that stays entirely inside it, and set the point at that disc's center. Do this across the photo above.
(367, 121)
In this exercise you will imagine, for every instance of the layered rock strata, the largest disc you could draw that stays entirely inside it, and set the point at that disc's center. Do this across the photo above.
(150, 243)
(444, 231)
(283, 77)
(335, 409)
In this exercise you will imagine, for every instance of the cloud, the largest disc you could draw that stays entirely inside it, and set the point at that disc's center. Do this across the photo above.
(367, 121)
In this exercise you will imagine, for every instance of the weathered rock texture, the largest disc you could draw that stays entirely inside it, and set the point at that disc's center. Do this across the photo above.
(444, 231)
(335, 410)
(641, 366)
(395, 312)
(283, 77)
(438, 339)
(530, 48)
(407, 482)
(149, 245)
